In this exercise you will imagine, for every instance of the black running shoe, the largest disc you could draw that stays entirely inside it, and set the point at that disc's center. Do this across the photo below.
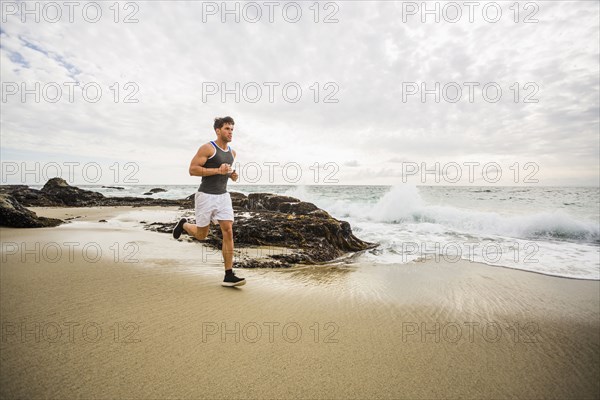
(232, 280)
(179, 228)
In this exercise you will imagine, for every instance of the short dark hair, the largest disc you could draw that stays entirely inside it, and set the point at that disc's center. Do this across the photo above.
(219, 122)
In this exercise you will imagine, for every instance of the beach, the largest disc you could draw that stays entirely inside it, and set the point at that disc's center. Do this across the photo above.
(147, 318)
(414, 189)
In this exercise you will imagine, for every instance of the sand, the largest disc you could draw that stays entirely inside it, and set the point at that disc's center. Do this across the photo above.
(140, 315)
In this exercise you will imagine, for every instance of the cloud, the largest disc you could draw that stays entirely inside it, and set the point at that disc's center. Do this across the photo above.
(364, 62)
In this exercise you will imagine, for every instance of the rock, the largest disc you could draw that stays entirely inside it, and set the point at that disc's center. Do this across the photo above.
(15, 215)
(148, 194)
(58, 193)
(265, 219)
(114, 187)
(30, 197)
(238, 200)
(188, 202)
(141, 202)
(262, 264)
(157, 190)
(261, 219)
(285, 204)
(103, 220)
(69, 195)
(12, 188)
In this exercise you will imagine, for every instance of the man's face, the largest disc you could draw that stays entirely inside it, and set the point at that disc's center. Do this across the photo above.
(226, 133)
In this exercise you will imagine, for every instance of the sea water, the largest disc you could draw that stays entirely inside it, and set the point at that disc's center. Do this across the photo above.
(550, 230)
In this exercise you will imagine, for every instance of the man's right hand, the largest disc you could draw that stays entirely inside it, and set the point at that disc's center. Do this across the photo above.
(224, 169)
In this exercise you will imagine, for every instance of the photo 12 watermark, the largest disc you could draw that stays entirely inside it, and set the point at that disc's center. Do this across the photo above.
(288, 12)
(73, 332)
(453, 12)
(52, 12)
(488, 252)
(269, 332)
(72, 252)
(38, 173)
(69, 92)
(269, 92)
(463, 172)
(469, 332)
(243, 254)
(290, 172)
(471, 92)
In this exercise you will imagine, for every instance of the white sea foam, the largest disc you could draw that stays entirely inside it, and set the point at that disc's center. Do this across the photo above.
(403, 204)
(407, 228)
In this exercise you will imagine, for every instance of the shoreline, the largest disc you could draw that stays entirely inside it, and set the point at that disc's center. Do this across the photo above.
(168, 329)
(103, 212)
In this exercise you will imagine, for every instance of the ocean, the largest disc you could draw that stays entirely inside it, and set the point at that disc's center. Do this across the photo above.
(549, 230)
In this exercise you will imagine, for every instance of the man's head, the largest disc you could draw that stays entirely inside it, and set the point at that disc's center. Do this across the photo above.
(224, 128)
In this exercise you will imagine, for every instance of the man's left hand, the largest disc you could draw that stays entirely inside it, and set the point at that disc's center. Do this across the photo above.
(234, 176)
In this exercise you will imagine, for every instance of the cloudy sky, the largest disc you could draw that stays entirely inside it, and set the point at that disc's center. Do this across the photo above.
(349, 92)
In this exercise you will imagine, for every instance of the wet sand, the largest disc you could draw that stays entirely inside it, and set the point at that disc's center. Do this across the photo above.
(120, 312)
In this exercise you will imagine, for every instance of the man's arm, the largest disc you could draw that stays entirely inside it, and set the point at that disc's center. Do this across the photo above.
(234, 174)
(202, 155)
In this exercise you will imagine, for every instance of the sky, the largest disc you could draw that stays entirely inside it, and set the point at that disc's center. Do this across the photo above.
(345, 92)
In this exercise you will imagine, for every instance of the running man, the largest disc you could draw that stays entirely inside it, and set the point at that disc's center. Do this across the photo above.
(213, 203)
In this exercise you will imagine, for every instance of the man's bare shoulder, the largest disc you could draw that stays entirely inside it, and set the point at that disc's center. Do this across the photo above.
(206, 149)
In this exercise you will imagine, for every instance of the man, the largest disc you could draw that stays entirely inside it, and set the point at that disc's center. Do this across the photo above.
(213, 203)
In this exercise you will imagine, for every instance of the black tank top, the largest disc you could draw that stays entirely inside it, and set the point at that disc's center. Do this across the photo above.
(216, 184)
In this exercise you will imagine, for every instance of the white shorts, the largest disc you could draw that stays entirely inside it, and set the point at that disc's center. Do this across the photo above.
(212, 207)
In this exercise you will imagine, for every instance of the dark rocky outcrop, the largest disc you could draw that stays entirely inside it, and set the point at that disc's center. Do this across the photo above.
(14, 215)
(310, 234)
(265, 219)
(238, 200)
(68, 195)
(155, 190)
(28, 197)
(285, 204)
(58, 193)
(114, 187)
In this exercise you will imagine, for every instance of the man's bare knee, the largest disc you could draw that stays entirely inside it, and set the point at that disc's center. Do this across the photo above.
(201, 233)
(227, 230)
(227, 234)
(201, 236)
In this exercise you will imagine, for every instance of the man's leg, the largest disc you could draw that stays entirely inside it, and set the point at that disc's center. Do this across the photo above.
(230, 278)
(227, 230)
(204, 205)
(199, 232)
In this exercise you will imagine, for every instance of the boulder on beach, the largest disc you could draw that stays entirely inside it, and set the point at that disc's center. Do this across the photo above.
(58, 193)
(266, 219)
(13, 214)
(68, 195)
